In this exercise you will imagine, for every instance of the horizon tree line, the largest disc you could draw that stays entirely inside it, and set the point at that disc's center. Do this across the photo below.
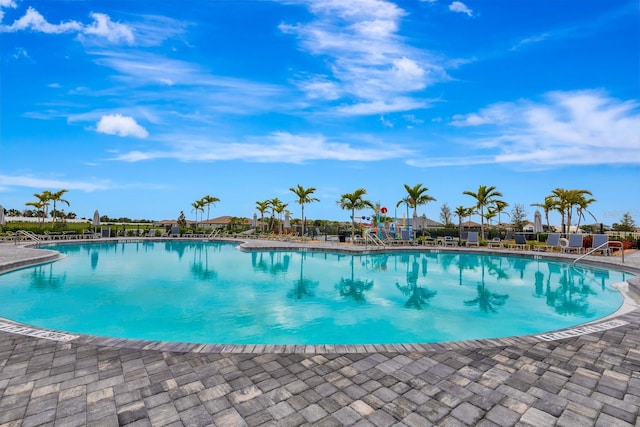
(488, 204)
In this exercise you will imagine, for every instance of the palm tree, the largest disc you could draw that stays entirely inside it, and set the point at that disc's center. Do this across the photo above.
(581, 208)
(500, 207)
(416, 196)
(198, 205)
(576, 198)
(353, 201)
(57, 197)
(484, 197)
(559, 200)
(279, 207)
(39, 207)
(304, 197)
(208, 201)
(42, 203)
(262, 207)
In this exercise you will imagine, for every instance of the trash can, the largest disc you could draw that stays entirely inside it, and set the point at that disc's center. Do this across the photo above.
(341, 238)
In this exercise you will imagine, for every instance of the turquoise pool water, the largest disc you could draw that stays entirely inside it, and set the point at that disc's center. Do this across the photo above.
(211, 292)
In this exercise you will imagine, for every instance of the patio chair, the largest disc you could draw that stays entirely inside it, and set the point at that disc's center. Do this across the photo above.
(495, 243)
(552, 243)
(600, 243)
(472, 239)
(450, 241)
(574, 244)
(520, 242)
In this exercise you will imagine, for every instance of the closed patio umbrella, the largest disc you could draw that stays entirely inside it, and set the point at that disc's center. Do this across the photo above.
(287, 221)
(537, 222)
(2, 218)
(254, 222)
(96, 220)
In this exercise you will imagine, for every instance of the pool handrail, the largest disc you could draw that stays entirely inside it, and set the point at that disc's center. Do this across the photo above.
(592, 250)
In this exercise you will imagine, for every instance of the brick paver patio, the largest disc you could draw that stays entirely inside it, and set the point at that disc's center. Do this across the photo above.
(585, 380)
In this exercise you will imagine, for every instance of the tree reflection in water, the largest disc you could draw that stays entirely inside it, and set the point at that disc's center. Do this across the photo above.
(200, 264)
(355, 289)
(418, 296)
(302, 288)
(486, 300)
(42, 278)
(278, 262)
(571, 296)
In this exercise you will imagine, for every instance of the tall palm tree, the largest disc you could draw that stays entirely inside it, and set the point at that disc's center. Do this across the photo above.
(500, 207)
(581, 208)
(277, 207)
(208, 201)
(39, 207)
(198, 206)
(57, 197)
(559, 199)
(353, 201)
(416, 196)
(304, 197)
(262, 207)
(575, 198)
(485, 196)
(42, 203)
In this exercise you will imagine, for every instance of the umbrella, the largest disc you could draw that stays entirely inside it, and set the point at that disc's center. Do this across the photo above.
(2, 219)
(287, 220)
(96, 220)
(537, 222)
(254, 222)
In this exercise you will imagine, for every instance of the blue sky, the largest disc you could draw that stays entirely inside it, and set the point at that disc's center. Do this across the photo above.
(139, 108)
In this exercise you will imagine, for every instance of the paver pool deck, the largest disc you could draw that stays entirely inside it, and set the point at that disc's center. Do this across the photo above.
(583, 377)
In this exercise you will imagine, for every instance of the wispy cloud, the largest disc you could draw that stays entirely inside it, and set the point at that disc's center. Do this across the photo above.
(565, 128)
(39, 183)
(278, 147)
(368, 62)
(102, 27)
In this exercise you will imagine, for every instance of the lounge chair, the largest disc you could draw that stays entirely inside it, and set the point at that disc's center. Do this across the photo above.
(553, 242)
(574, 244)
(520, 242)
(175, 231)
(472, 239)
(495, 243)
(600, 243)
(449, 241)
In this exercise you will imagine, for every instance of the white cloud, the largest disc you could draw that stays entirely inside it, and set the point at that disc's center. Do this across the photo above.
(460, 7)
(104, 27)
(368, 62)
(278, 147)
(117, 124)
(566, 128)
(33, 20)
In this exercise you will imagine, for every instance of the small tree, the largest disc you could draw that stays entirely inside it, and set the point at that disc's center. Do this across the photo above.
(626, 223)
(446, 215)
(182, 220)
(518, 216)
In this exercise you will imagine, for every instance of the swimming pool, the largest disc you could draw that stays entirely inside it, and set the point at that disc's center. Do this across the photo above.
(211, 292)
